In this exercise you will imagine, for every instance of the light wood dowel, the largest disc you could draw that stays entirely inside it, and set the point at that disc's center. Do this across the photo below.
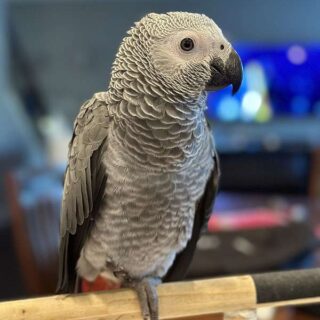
(202, 300)
(195, 299)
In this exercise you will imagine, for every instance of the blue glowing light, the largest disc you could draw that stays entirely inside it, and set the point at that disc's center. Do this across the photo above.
(316, 108)
(300, 105)
(229, 109)
(285, 76)
(297, 54)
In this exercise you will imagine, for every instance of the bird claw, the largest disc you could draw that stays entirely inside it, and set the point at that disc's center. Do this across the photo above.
(147, 294)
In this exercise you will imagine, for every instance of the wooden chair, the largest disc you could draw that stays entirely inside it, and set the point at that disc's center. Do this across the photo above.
(35, 225)
(314, 185)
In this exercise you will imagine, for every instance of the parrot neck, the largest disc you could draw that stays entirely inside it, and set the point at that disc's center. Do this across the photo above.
(153, 131)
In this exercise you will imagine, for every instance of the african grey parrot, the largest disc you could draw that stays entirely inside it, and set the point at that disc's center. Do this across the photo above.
(142, 169)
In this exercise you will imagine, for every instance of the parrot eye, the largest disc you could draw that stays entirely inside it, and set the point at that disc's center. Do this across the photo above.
(187, 44)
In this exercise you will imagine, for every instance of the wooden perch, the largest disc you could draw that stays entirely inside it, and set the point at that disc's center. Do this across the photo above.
(193, 300)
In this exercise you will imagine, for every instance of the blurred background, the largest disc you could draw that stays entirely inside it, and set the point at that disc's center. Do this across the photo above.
(55, 54)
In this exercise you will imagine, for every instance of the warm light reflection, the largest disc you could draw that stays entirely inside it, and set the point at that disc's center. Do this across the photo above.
(255, 102)
(251, 103)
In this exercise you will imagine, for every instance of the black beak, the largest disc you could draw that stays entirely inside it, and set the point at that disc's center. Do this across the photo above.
(223, 75)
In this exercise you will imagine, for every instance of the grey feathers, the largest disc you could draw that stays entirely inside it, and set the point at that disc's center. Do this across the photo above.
(84, 180)
(90, 131)
(142, 170)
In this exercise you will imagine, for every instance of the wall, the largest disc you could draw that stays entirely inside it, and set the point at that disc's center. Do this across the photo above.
(72, 44)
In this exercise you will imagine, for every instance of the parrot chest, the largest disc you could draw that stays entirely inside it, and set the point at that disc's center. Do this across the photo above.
(147, 216)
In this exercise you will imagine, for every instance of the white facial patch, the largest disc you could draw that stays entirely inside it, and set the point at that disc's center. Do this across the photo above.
(169, 58)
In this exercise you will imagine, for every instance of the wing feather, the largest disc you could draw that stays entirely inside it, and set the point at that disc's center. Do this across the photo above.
(85, 180)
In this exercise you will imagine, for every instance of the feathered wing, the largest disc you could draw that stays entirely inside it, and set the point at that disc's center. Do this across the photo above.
(204, 208)
(85, 180)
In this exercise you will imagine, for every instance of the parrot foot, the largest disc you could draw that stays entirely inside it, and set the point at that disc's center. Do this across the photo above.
(148, 297)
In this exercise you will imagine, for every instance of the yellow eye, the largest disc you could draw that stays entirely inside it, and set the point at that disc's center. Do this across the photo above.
(187, 44)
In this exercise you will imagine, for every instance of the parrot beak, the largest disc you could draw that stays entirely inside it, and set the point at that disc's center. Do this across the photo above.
(226, 74)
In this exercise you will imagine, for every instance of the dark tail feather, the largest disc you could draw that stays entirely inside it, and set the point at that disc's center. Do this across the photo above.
(68, 281)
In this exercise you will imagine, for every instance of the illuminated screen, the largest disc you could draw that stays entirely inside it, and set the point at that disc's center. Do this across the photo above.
(279, 81)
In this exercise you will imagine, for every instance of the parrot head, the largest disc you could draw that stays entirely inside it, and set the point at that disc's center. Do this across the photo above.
(180, 53)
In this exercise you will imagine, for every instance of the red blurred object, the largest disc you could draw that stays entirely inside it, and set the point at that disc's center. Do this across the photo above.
(247, 219)
(100, 284)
